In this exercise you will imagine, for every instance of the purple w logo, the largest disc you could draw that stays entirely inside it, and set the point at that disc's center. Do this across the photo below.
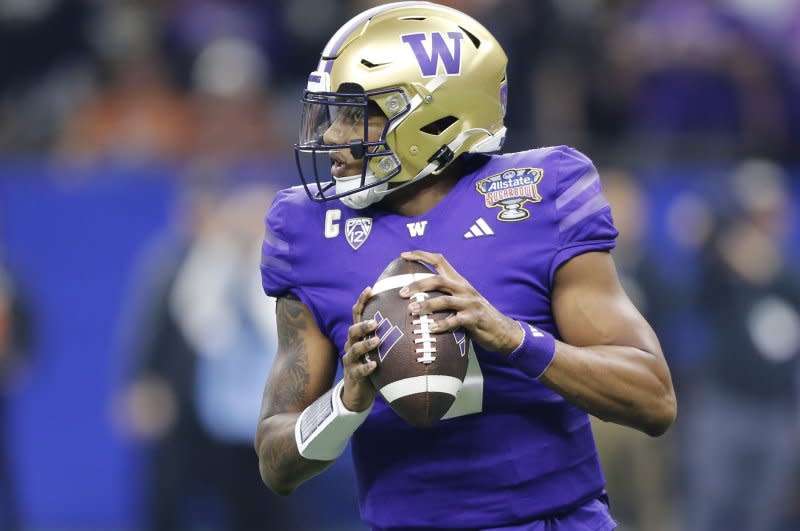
(429, 63)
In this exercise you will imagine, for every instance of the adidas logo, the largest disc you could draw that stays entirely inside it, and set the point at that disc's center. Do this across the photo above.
(479, 228)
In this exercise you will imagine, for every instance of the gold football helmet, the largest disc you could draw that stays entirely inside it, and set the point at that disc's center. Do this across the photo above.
(437, 75)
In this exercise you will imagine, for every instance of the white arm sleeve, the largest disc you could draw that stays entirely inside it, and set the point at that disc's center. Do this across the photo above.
(325, 426)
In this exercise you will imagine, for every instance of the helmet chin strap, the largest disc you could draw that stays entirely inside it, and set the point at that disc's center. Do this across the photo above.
(363, 198)
(432, 167)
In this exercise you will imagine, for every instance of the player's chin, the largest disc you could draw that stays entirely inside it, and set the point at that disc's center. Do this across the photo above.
(345, 173)
(338, 169)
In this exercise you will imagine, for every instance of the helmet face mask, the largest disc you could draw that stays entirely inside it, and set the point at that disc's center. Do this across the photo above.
(436, 75)
(350, 115)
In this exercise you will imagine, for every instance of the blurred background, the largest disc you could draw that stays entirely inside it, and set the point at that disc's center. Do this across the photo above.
(141, 142)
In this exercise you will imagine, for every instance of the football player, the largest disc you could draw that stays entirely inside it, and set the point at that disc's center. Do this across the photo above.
(401, 120)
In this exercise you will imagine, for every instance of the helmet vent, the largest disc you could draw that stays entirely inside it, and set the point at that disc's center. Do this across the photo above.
(439, 126)
(370, 64)
(350, 88)
(413, 18)
(475, 40)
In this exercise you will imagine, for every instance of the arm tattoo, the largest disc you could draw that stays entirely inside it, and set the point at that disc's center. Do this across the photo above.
(288, 388)
(286, 393)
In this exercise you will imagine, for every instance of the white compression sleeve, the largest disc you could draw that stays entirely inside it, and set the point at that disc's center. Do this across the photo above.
(325, 426)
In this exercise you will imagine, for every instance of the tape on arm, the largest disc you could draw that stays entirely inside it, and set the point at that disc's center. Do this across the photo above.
(325, 426)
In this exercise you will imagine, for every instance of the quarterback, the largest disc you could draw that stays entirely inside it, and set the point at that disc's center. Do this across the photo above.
(402, 121)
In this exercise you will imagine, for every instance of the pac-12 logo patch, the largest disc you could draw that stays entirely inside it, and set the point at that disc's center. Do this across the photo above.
(357, 230)
(510, 191)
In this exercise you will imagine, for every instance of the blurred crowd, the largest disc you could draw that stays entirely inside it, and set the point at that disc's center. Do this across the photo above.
(635, 80)
(690, 108)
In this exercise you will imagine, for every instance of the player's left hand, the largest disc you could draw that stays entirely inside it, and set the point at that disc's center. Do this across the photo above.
(491, 329)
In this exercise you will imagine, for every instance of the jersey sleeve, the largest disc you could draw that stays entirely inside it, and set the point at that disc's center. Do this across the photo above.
(277, 261)
(583, 215)
(285, 250)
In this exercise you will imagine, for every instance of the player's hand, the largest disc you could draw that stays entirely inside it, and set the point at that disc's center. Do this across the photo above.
(488, 327)
(359, 393)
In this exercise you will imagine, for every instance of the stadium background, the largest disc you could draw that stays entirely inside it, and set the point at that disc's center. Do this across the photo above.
(112, 113)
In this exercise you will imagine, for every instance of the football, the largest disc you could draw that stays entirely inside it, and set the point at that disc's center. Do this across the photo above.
(419, 373)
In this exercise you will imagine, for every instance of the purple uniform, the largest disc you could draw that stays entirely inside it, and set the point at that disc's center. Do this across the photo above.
(506, 226)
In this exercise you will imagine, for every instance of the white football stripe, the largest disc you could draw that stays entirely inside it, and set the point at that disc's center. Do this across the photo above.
(434, 383)
(397, 281)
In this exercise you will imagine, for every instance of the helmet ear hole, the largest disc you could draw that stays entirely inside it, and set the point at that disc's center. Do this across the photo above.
(439, 126)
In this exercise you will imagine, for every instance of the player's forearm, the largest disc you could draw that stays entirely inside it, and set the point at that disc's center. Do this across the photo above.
(625, 385)
(282, 467)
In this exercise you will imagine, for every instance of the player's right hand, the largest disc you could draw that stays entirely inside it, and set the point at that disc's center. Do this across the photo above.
(359, 393)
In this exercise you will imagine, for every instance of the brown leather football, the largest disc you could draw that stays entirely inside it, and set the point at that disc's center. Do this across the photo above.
(419, 373)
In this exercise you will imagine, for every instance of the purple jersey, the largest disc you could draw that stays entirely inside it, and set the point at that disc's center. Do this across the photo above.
(520, 452)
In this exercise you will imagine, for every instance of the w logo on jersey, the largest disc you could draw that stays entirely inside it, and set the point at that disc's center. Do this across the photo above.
(428, 55)
(416, 228)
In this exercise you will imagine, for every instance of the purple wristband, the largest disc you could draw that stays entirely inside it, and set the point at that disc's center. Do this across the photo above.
(535, 353)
